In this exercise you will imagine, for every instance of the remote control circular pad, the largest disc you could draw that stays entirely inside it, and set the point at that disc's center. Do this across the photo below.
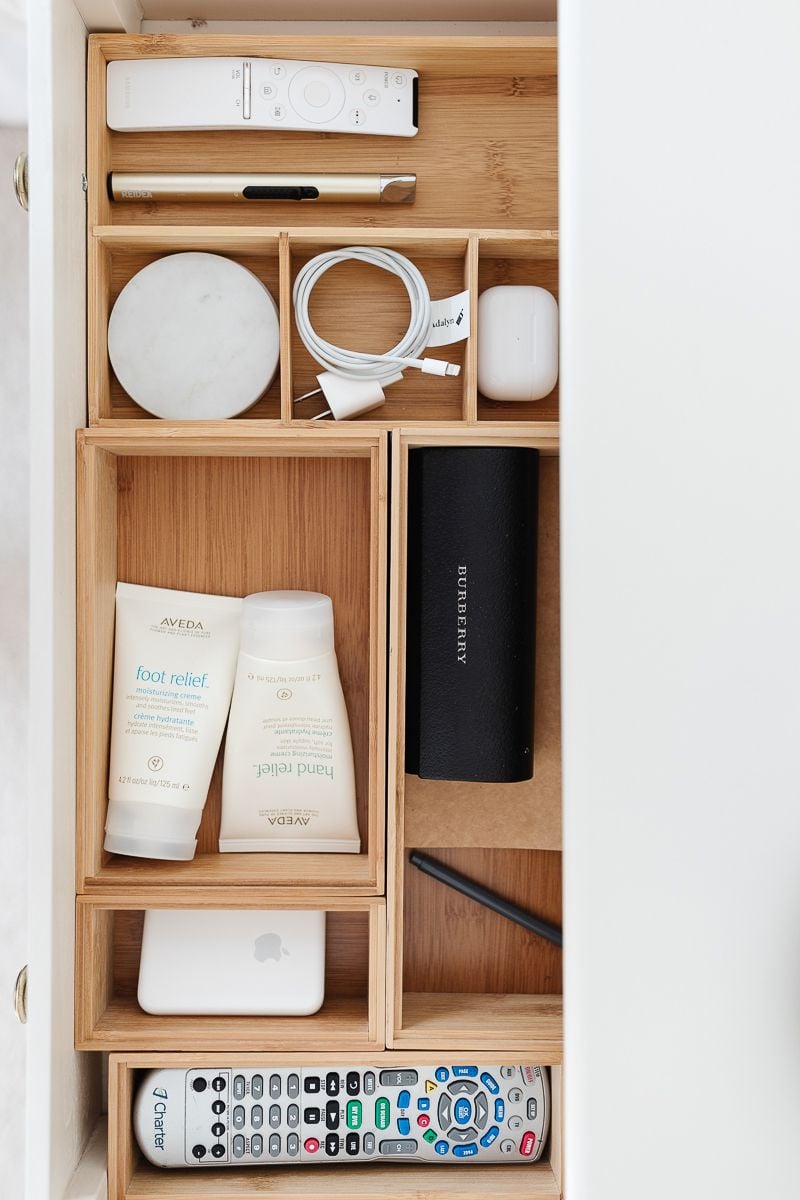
(316, 94)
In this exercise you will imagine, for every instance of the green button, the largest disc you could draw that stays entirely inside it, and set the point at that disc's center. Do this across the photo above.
(382, 1112)
(353, 1114)
(430, 1135)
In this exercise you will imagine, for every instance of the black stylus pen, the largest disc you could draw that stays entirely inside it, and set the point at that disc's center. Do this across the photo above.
(477, 892)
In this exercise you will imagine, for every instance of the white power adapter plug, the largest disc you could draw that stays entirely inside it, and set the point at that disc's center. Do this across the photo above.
(348, 398)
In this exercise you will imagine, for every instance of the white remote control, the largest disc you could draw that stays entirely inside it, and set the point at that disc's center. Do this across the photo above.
(260, 93)
(240, 1116)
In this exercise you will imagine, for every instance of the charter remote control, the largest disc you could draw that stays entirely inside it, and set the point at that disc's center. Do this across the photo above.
(265, 1116)
(260, 93)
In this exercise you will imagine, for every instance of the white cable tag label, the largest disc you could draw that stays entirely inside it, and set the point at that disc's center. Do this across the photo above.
(449, 320)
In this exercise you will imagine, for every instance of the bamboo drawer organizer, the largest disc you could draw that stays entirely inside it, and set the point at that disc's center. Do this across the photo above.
(414, 972)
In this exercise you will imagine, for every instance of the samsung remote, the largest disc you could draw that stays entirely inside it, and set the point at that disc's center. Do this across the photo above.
(260, 93)
(239, 1116)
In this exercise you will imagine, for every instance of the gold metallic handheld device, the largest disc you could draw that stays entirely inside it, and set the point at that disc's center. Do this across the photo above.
(205, 187)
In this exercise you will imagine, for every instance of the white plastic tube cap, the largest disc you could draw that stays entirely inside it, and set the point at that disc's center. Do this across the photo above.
(287, 626)
(147, 830)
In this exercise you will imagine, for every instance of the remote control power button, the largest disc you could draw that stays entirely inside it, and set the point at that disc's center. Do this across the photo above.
(357, 116)
(507, 1146)
(358, 76)
(399, 78)
(527, 1144)
(311, 1145)
(199, 1084)
(199, 1151)
(372, 98)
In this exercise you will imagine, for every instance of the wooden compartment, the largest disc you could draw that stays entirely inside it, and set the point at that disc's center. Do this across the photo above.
(485, 154)
(131, 1177)
(109, 937)
(182, 507)
(460, 976)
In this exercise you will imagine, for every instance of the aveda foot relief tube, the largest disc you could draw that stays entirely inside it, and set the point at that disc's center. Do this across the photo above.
(288, 781)
(174, 663)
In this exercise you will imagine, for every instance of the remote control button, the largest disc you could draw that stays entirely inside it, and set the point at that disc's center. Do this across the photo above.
(332, 1083)
(217, 1129)
(481, 1110)
(399, 1079)
(490, 1137)
(461, 1087)
(423, 1120)
(508, 1072)
(277, 112)
(257, 1116)
(218, 1107)
(372, 98)
(256, 1145)
(352, 1144)
(490, 1083)
(352, 1083)
(238, 1146)
(332, 1114)
(369, 1083)
(293, 1116)
(403, 1126)
(311, 1116)
(218, 1084)
(238, 1087)
(430, 1086)
(293, 1086)
(218, 1151)
(465, 1151)
(500, 1110)
(442, 1074)
(268, 91)
(430, 1136)
(444, 1110)
(442, 1147)
(278, 71)
(317, 94)
(403, 1099)
(274, 1116)
(514, 1096)
(382, 1113)
(465, 1072)
(532, 1108)
(462, 1135)
(199, 1151)
(311, 1084)
(515, 1122)
(292, 1145)
(274, 1087)
(358, 117)
(507, 1146)
(358, 76)
(238, 1117)
(200, 1084)
(462, 1111)
(424, 1103)
(274, 1145)
(369, 1143)
(332, 1145)
(527, 1144)
(396, 1149)
(311, 1145)
(399, 79)
(353, 1114)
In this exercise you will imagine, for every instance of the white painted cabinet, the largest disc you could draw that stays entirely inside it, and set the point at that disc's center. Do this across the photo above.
(680, 403)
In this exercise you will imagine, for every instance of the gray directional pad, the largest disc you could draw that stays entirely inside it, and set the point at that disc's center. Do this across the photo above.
(481, 1105)
(460, 1087)
(444, 1111)
(462, 1135)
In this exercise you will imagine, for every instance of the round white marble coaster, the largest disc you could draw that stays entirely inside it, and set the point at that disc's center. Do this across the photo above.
(194, 337)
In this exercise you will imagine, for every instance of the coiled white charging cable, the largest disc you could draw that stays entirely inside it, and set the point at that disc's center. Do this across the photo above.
(353, 364)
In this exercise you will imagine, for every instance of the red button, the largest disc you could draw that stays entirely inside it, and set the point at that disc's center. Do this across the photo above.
(311, 1145)
(527, 1144)
(423, 1120)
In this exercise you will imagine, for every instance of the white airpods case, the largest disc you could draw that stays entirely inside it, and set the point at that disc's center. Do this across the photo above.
(517, 343)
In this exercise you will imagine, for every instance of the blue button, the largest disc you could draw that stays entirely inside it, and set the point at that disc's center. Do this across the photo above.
(403, 1099)
(490, 1082)
(469, 1072)
(462, 1110)
(490, 1136)
(442, 1074)
(424, 1103)
(442, 1147)
(403, 1126)
(499, 1110)
(468, 1151)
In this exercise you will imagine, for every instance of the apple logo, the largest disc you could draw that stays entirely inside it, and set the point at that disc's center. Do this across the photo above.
(269, 948)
